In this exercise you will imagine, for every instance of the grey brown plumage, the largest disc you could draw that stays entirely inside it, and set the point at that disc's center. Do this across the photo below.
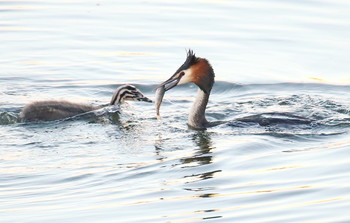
(56, 110)
(53, 110)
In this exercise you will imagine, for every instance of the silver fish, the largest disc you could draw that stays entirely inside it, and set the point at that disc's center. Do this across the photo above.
(159, 98)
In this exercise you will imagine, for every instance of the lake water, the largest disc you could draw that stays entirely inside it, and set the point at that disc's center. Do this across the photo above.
(268, 56)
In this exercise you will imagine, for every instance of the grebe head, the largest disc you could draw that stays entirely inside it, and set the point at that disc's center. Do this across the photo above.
(128, 93)
(194, 69)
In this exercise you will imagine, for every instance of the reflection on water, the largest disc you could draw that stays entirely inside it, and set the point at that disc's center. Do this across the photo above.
(127, 165)
(203, 142)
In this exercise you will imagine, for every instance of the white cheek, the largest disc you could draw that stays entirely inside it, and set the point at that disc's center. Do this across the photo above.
(186, 78)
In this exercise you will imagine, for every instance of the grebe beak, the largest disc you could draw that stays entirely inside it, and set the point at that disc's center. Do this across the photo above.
(172, 81)
(144, 98)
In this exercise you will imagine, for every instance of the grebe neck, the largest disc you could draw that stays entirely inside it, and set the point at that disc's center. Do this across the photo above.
(196, 118)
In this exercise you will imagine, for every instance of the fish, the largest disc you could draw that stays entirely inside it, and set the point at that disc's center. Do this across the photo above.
(159, 98)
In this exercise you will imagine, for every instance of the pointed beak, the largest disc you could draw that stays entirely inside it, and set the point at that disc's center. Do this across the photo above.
(172, 81)
(144, 98)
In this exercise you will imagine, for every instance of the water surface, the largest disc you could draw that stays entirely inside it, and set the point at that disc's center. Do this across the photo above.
(268, 56)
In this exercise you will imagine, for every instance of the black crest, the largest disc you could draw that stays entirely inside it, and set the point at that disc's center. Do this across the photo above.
(190, 60)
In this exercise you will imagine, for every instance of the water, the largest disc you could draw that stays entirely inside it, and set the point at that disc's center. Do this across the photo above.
(268, 56)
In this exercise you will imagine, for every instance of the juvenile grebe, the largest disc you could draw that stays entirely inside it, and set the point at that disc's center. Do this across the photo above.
(55, 110)
(199, 71)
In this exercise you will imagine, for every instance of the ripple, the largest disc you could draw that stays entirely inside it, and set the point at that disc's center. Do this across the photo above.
(126, 165)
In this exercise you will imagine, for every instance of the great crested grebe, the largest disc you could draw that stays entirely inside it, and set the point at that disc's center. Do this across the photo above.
(199, 71)
(56, 110)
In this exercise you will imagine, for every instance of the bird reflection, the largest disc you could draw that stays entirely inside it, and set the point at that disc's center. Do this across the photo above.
(192, 177)
(203, 141)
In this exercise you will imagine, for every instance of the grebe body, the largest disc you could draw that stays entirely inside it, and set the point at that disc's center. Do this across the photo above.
(56, 110)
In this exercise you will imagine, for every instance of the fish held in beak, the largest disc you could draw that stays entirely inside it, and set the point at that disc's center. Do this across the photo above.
(172, 81)
(163, 87)
(159, 98)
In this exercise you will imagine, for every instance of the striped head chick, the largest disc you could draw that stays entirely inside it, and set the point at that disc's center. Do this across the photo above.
(128, 93)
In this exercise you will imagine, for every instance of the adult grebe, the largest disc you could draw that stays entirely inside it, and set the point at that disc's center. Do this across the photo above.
(55, 110)
(199, 71)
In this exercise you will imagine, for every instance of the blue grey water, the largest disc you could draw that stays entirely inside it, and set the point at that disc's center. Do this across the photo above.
(268, 56)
